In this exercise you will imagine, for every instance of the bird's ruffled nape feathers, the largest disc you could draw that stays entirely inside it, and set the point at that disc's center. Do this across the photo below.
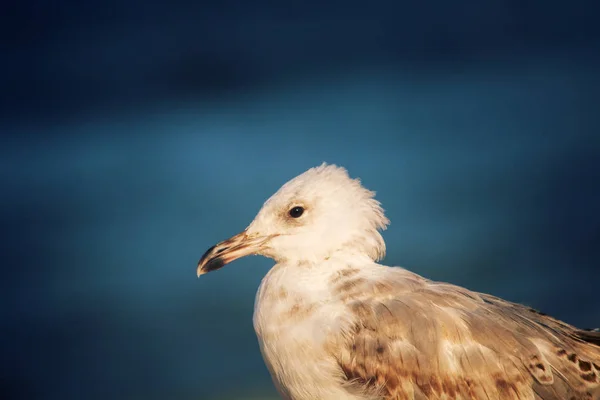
(372, 215)
(378, 222)
(369, 239)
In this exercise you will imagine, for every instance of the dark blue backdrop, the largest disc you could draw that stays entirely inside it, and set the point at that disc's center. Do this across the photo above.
(137, 134)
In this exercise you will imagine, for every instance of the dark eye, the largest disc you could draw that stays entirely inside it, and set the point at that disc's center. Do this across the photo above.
(296, 212)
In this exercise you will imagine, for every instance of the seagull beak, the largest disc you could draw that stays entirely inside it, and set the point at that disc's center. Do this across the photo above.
(237, 246)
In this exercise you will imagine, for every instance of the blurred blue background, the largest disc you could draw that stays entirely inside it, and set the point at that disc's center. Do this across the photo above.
(137, 134)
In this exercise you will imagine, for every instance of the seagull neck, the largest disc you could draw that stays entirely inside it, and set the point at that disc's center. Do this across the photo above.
(338, 259)
(311, 281)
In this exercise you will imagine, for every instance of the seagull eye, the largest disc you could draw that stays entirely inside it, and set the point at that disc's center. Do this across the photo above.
(296, 212)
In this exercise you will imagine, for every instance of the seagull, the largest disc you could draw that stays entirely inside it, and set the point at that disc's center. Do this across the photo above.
(333, 324)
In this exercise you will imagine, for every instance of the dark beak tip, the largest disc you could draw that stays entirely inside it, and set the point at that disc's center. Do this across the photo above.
(212, 265)
(202, 270)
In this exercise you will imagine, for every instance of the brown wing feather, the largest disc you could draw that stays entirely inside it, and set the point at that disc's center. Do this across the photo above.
(416, 339)
(589, 335)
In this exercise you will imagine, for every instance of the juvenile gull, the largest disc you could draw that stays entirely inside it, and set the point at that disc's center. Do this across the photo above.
(332, 324)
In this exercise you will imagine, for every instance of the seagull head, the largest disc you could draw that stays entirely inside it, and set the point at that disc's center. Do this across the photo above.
(310, 218)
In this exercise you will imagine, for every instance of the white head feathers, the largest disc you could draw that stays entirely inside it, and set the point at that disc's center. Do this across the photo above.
(337, 213)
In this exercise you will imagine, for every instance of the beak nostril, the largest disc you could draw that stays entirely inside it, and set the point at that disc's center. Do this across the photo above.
(222, 249)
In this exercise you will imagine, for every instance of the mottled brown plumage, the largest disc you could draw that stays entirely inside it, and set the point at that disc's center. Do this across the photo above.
(418, 339)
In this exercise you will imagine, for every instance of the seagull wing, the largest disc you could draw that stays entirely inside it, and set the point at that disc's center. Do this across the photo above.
(436, 340)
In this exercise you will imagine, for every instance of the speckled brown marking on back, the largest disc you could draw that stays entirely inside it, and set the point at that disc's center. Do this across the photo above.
(585, 365)
(572, 357)
(561, 352)
(349, 288)
(505, 388)
(282, 294)
(299, 310)
(345, 273)
(590, 377)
